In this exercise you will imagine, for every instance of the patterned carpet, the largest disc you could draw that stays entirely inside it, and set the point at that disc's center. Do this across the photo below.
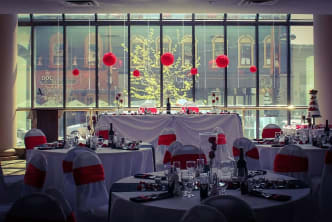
(13, 167)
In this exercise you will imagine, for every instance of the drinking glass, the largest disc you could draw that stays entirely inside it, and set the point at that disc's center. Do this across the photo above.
(204, 186)
(200, 165)
(222, 186)
(191, 165)
(187, 179)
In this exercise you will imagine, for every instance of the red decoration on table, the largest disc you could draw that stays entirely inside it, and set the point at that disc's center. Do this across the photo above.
(253, 69)
(167, 59)
(222, 61)
(76, 72)
(217, 98)
(136, 73)
(193, 71)
(213, 101)
(109, 59)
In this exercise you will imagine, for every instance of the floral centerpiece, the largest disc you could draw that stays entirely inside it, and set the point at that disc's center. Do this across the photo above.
(119, 101)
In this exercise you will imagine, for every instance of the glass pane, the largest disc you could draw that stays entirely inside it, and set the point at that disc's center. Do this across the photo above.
(273, 65)
(139, 16)
(296, 116)
(204, 16)
(23, 124)
(23, 80)
(114, 79)
(77, 121)
(80, 16)
(37, 17)
(272, 17)
(248, 118)
(23, 17)
(302, 17)
(48, 66)
(241, 82)
(175, 16)
(112, 16)
(81, 55)
(176, 77)
(145, 58)
(210, 78)
(271, 116)
(241, 17)
(302, 64)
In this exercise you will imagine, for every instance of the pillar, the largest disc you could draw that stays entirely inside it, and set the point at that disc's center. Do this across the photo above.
(8, 50)
(323, 65)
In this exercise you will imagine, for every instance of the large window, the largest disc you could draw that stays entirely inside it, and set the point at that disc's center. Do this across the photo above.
(51, 47)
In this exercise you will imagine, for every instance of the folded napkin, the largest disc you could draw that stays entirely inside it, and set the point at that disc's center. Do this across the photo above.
(152, 197)
(269, 196)
(148, 176)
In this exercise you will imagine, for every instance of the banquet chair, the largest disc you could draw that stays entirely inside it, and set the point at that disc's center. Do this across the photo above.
(270, 130)
(67, 209)
(69, 186)
(292, 161)
(33, 138)
(222, 153)
(166, 138)
(251, 154)
(325, 193)
(187, 153)
(170, 150)
(91, 193)
(203, 213)
(36, 207)
(233, 208)
(35, 174)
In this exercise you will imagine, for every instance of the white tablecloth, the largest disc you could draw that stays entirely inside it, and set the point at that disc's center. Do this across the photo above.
(297, 209)
(117, 164)
(187, 127)
(315, 155)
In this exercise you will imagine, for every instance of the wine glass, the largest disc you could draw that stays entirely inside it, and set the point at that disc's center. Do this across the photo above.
(191, 165)
(222, 186)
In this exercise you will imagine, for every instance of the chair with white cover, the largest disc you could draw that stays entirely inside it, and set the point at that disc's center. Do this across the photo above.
(35, 174)
(187, 153)
(67, 209)
(91, 193)
(69, 186)
(250, 151)
(270, 130)
(203, 213)
(170, 150)
(33, 138)
(292, 161)
(325, 193)
(36, 207)
(221, 153)
(233, 208)
(166, 138)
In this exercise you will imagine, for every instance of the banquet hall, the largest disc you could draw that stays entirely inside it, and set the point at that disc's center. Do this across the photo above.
(165, 110)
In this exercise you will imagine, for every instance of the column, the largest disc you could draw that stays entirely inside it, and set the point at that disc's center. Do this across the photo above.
(8, 27)
(323, 65)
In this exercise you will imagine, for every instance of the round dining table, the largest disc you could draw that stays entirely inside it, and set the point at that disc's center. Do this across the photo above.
(298, 208)
(117, 164)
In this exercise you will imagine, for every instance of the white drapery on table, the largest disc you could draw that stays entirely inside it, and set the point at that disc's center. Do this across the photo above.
(172, 209)
(187, 127)
(117, 164)
(315, 156)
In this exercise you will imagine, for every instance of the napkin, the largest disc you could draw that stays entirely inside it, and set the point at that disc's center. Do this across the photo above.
(151, 197)
(269, 196)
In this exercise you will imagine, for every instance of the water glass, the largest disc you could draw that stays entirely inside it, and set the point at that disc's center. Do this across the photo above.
(191, 165)
(200, 165)
(177, 166)
(204, 186)
(222, 186)
(187, 179)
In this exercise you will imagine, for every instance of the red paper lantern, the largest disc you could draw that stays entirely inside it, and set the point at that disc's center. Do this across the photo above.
(76, 72)
(253, 69)
(109, 59)
(136, 73)
(222, 61)
(193, 71)
(167, 59)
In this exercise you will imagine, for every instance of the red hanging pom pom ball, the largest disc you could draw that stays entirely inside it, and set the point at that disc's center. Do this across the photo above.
(136, 73)
(193, 71)
(222, 61)
(109, 59)
(76, 72)
(253, 69)
(167, 59)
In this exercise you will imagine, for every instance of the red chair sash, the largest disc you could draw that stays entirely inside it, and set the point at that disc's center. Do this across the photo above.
(286, 163)
(167, 157)
(270, 133)
(191, 108)
(183, 158)
(252, 153)
(328, 157)
(33, 141)
(67, 166)
(89, 174)
(103, 133)
(34, 176)
(166, 139)
(151, 110)
(221, 139)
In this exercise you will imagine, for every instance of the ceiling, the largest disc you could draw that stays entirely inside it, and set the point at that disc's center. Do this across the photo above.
(170, 6)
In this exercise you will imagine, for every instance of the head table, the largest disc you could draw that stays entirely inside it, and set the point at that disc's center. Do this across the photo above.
(117, 164)
(172, 209)
(187, 127)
